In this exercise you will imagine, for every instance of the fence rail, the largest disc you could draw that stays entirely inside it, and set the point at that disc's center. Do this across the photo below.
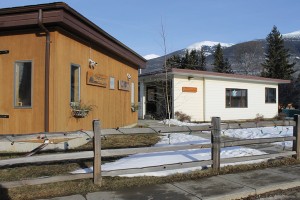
(216, 144)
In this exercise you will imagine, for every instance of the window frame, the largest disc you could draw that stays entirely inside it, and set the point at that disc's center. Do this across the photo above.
(31, 85)
(232, 89)
(79, 83)
(267, 95)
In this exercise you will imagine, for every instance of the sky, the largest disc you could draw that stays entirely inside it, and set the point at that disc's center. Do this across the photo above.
(138, 23)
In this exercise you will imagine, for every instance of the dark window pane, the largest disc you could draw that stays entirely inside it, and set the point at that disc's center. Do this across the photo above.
(270, 95)
(75, 83)
(236, 98)
(23, 84)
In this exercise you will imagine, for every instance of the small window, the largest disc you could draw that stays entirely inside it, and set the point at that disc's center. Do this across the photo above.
(23, 84)
(132, 94)
(111, 83)
(236, 98)
(270, 95)
(75, 83)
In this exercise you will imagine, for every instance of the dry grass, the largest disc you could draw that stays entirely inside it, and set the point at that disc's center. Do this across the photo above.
(109, 183)
(116, 183)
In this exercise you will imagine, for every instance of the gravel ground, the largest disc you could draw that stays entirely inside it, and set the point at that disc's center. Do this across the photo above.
(289, 194)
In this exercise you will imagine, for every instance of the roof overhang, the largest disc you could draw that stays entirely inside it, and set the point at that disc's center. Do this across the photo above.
(61, 15)
(215, 75)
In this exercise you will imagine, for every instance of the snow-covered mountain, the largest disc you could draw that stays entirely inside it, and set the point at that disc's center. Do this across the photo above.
(151, 56)
(155, 64)
(292, 36)
(199, 45)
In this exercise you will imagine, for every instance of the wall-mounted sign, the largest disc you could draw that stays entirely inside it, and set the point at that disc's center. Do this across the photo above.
(189, 89)
(124, 85)
(96, 79)
(4, 116)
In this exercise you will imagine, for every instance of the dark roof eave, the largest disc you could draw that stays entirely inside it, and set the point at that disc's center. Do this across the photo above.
(64, 16)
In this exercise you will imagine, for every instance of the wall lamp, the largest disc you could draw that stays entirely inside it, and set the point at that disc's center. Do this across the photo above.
(190, 77)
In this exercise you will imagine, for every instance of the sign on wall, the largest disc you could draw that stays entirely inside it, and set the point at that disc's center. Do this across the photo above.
(96, 79)
(124, 85)
(189, 89)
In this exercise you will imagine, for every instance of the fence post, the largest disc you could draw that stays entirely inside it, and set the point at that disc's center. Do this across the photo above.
(97, 152)
(296, 133)
(216, 140)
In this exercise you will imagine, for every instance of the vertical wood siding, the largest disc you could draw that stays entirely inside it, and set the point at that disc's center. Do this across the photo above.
(27, 47)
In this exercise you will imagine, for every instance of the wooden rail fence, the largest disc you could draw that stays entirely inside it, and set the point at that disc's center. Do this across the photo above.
(216, 144)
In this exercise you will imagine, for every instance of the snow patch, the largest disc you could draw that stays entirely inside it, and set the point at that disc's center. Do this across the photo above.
(292, 35)
(199, 45)
(151, 56)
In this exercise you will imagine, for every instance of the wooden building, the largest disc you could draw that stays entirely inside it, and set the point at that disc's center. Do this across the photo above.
(51, 60)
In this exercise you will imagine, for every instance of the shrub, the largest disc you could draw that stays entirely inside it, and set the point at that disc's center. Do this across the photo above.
(259, 117)
(182, 116)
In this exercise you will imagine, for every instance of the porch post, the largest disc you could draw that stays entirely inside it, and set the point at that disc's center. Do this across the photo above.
(142, 101)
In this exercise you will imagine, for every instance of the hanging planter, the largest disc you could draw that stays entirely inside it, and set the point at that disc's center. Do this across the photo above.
(80, 113)
(80, 110)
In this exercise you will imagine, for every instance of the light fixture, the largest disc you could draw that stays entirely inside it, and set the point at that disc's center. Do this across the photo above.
(128, 76)
(190, 77)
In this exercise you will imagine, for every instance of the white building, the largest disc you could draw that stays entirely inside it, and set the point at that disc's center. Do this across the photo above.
(203, 94)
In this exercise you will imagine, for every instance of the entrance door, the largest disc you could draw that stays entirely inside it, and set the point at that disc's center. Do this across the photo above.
(151, 100)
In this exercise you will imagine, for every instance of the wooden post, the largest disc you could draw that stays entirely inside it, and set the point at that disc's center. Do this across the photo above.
(296, 133)
(215, 140)
(97, 152)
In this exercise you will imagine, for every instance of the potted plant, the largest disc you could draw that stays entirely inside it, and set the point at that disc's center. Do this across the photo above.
(80, 110)
(134, 107)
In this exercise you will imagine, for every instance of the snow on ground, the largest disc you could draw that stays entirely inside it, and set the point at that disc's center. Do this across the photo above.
(170, 157)
(179, 123)
(262, 132)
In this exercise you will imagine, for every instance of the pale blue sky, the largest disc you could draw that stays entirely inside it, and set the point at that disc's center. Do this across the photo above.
(137, 23)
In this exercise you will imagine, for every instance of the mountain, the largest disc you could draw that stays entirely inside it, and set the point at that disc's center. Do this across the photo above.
(155, 64)
(151, 56)
(234, 52)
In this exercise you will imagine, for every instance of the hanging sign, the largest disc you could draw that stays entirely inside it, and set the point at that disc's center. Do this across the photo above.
(96, 79)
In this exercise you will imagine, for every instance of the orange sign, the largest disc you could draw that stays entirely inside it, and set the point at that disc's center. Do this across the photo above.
(96, 79)
(189, 89)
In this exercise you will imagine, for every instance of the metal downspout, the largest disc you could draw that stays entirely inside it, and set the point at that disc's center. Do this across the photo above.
(47, 65)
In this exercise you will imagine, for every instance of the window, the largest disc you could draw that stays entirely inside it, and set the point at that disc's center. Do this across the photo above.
(23, 84)
(111, 83)
(270, 95)
(132, 94)
(236, 98)
(75, 83)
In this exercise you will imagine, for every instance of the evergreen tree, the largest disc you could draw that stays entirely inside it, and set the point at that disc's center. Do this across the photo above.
(202, 62)
(221, 65)
(276, 63)
(191, 60)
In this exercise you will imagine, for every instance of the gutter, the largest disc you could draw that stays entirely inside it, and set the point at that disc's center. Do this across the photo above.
(47, 66)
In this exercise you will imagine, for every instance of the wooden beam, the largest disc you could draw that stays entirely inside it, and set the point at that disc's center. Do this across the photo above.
(256, 141)
(296, 133)
(257, 157)
(215, 140)
(48, 158)
(97, 153)
(44, 180)
(125, 152)
(157, 168)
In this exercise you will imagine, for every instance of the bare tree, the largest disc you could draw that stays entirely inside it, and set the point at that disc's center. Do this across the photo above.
(249, 55)
(166, 69)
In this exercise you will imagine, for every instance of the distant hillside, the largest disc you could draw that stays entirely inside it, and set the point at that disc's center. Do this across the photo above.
(233, 52)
